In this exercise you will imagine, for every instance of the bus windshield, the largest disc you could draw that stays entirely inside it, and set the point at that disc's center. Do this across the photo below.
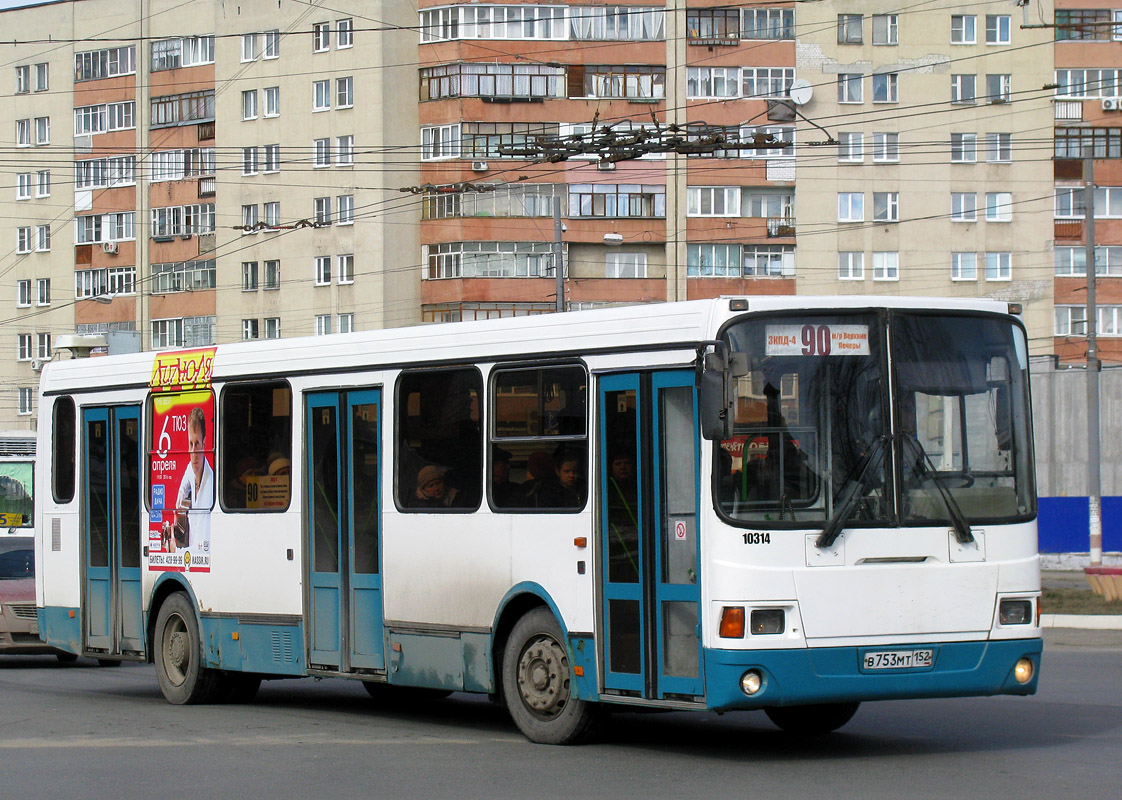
(819, 440)
(16, 506)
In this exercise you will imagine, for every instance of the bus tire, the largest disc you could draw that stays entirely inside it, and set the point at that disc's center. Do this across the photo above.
(536, 683)
(812, 720)
(179, 655)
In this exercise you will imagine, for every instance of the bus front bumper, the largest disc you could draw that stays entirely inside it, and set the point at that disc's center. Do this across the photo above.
(839, 674)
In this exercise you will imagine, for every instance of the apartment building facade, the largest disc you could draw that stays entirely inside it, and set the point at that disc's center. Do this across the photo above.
(295, 169)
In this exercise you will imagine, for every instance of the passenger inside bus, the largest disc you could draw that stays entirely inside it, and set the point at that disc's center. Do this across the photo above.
(504, 492)
(568, 488)
(432, 490)
(623, 516)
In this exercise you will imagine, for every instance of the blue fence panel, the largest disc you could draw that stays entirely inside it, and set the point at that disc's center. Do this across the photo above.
(1065, 528)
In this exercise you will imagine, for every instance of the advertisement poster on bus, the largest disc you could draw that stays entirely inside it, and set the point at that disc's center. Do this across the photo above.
(181, 482)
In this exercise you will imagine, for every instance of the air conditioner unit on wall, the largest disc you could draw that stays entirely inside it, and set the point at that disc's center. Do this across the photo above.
(109, 247)
(606, 166)
(478, 166)
(37, 364)
(1112, 103)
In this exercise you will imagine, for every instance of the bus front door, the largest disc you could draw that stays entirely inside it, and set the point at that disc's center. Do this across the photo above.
(344, 597)
(651, 596)
(111, 487)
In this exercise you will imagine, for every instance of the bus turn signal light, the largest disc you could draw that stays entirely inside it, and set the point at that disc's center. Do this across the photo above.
(732, 622)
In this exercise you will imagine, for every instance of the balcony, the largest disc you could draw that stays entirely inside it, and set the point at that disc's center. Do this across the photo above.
(207, 186)
(1069, 229)
(780, 227)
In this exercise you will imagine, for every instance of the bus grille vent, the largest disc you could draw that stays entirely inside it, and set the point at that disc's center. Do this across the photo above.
(282, 647)
(56, 534)
(25, 612)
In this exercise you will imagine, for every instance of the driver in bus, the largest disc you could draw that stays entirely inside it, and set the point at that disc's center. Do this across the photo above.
(196, 489)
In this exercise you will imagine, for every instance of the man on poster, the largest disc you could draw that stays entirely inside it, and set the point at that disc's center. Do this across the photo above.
(195, 497)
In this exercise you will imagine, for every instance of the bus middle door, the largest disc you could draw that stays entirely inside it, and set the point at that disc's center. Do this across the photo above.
(344, 596)
(651, 596)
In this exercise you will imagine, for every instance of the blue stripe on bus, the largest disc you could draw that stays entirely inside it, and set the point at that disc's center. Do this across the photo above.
(834, 674)
(274, 649)
(61, 627)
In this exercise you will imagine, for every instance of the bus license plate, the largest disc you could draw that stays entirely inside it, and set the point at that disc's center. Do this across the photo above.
(898, 659)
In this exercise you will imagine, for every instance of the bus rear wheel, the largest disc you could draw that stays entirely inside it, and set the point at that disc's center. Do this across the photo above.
(179, 655)
(812, 720)
(536, 683)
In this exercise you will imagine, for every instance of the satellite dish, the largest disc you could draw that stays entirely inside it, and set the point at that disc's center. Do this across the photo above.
(801, 92)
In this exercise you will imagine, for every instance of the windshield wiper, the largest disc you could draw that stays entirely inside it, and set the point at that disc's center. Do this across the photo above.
(954, 510)
(852, 491)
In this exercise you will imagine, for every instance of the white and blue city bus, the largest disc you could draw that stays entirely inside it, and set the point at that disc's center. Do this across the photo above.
(791, 504)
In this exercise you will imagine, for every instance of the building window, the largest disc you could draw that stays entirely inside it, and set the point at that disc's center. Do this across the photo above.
(632, 81)
(489, 260)
(249, 276)
(963, 29)
(183, 220)
(851, 207)
(43, 291)
(272, 214)
(885, 28)
(1108, 202)
(964, 88)
(998, 28)
(23, 293)
(768, 23)
(175, 276)
(713, 260)
(272, 101)
(346, 268)
(272, 274)
(964, 266)
(886, 266)
(999, 88)
(1070, 203)
(999, 207)
(345, 36)
(345, 204)
(249, 47)
(1071, 321)
(344, 92)
(42, 77)
(886, 206)
(440, 141)
(43, 346)
(321, 37)
(96, 64)
(706, 24)
(886, 147)
(849, 87)
(272, 158)
(272, 327)
(323, 270)
(1083, 24)
(851, 266)
(851, 147)
(999, 266)
(504, 81)
(346, 323)
(271, 47)
(26, 398)
(23, 133)
(249, 104)
(43, 238)
(323, 210)
(23, 79)
(999, 148)
(322, 325)
(250, 329)
(176, 109)
(964, 148)
(23, 186)
(964, 206)
(849, 29)
(321, 95)
(249, 219)
(322, 157)
(43, 183)
(344, 151)
(886, 88)
(617, 200)
(625, 265)
(23, 347)
(42, 131)
(769, 261)
(713, 201)
(23, 239)
(249, 160)
(89, 120)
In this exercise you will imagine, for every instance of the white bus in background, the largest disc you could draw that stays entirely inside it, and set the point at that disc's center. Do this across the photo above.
(791, 504)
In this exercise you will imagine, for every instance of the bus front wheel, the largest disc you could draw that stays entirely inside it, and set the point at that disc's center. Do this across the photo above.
(183, 678)
(812, 720)
(536, 683)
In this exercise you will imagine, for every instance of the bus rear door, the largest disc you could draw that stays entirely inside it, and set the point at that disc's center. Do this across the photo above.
(111, 487)
(651, 596)
(344, 599)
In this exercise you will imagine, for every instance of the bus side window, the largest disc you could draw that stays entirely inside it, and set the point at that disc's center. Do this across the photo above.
(440, 440)
(255, 446)
(539, 439)
(64, 449)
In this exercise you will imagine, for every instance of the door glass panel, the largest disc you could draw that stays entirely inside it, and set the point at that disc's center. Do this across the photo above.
(679, 639)
(98, 512)
(364, 469)
(325, 490)
(622, 487)
(679, 486)
(624, 641)
(128, 441)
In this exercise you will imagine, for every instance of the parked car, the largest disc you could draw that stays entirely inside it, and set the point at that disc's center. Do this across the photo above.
(19, 622)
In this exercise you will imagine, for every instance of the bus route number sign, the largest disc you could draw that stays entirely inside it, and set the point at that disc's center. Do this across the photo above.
(817, 340)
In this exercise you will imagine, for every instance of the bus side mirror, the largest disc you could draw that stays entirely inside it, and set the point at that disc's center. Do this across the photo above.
(717, 390)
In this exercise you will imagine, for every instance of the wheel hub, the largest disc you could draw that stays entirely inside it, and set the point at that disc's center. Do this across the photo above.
(177, 651)
(543, 676)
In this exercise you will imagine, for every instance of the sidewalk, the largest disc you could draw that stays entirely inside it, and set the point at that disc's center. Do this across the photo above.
(1066, 573)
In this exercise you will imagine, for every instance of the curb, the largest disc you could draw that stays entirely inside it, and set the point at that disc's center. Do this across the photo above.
(1097, 622)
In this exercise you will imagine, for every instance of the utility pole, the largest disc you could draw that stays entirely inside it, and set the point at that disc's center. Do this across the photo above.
(1094, 478)
(558, 265)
